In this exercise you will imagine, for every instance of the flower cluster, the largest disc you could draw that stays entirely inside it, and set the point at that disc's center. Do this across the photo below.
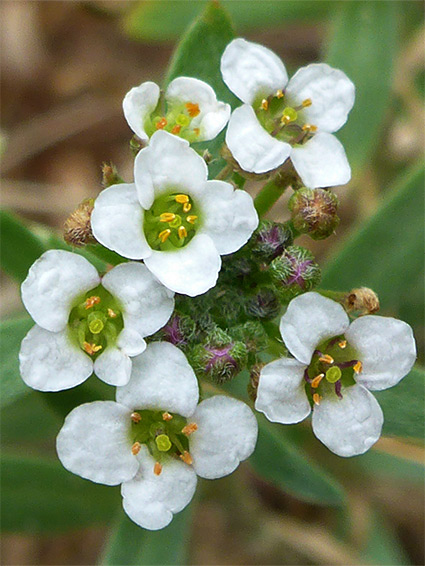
(206, 317)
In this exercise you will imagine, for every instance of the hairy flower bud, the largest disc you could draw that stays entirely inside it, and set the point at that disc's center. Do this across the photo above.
(363, 300)
(314, 212)
(77, 228)
(179, 330)
(269, 240)
(264, 304)
(254, 379)
(110, 175)
(294, 272)
(252, 334)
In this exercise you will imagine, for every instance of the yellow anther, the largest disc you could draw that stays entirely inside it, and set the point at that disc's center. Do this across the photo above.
(279, 93)
(166, 416)
(316, 381)
(264, 104)
(160, 125)
(91, 301)
(135, 449)
(181, 199)
(157, 469)
(317, 398)
(91, 348)
(313, 129)
(176, 129)
(358, 368)
(192, 108)
(182, 232)
(111, 313)
(186, 457)
(307, 102)
(167, 217)
(326, 359)
(164, 235)
(187, 206)
(191, 218)
(135, 417)
(342, 344)
(285, 119)
(189, 429)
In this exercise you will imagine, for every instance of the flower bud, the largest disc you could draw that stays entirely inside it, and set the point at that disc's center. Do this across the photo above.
(265, 304)
(110, 175)
(269, 240)
(294, 272)
(179, 330)
(252, 334)
(314, 212)
(136, 144)
(254, 379)
(77, 228)
(363, 299)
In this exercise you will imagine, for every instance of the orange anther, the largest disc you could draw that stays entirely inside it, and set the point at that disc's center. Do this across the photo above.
(136, 417)
(316, 381)
(189, 429)
(157, 469)
(135, 449)
(264, 104)
(186, 457)
(279, 93)
(326, 359)
(342, 344)
(91, 348)
(111, 313)
(91, 301)
(192, 109)
(196, 131)
(166, 416)
(160, 125)
(358, 368)
(317, 398)
(176, 129)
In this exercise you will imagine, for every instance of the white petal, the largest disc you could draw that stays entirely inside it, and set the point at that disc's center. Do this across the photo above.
(117, 221)
(213, 115)
(50, 362)
(147, 305)
(321, 162)
(253, 148)
(192, 270)
(351, 425)
(386, 348)
(331, 92)
(310, 319)
(150, 500)
(138, 104)
(226, 435)
(130, 342)
(168, 164)
(95, 443)
(113, 366)
(229, 216)
(251, 70)
(53, 283)
(161, 379)
(281, 392)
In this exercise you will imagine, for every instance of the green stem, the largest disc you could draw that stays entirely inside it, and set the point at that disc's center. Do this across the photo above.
(224, 173)
(268, 195)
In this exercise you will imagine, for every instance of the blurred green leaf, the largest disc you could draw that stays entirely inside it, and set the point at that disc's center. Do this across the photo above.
(404, 406)
(382, 545)
(381, 464)
(363, 44)
(151, 20)
(284, 465)
(386, 253)
(39, 495)
(131, 545)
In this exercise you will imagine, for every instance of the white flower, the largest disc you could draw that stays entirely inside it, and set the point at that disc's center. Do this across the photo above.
(85, 323)
(192, 110)
(340, 362)
(281, 119)
(173, 218)
(156, 439)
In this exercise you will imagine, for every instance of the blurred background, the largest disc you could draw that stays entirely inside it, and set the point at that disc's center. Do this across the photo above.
(65, 69)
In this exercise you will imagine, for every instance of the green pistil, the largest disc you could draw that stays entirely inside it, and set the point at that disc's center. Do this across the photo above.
(333, 374)
(174, 118)
(163, 443)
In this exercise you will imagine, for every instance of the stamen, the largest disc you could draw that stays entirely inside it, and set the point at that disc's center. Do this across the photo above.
(289, 115)
(187, 458)
(166, 416)
(181, 199)
(167, 217)
(157, 469)
(358, 368)
(182, 232)
(196, 131)
(342, 344)
(316, 381)
(160, 125)
(136, 417)
(264, 104)
(91, 301)
(191, 218)
(338, 389)
(193, 109)
(163, 443)
(91, 348)
(189, 429)
(326, 359)
(135, 449)
(279, 93)
(164, 235)
(307, 102)
(306, 376)
(317, 398)
(176, 129)
(111, 313)
(187, 206)
(309, 128)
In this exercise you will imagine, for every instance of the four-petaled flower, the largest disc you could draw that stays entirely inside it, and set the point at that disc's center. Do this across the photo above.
(281, 119)
(338, 363)
(86, 323)
(156, 439)
(173, 218)
(188, 109)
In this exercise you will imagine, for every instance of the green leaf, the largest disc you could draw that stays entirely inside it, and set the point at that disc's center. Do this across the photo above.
(382, 544)
(363, 44)
(381, 464)
(39, 495)
(131, 545)
(20, 247)
(386, 253)
(403, 406)
(284, 465)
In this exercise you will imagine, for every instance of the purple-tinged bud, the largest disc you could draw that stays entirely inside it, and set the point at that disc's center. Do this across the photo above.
(77, 228)
(179, 330)
(265, 304)
(314, 212)
(294, 272)
(269, 240)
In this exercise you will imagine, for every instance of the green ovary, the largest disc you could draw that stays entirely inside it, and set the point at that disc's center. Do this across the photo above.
(176, 119)
(95, 321)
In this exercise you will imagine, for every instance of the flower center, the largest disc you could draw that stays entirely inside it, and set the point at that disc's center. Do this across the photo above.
(95, 321)
(164, 434)
(334, 364)
(177, 119)
(282, 120)
(171, 222)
